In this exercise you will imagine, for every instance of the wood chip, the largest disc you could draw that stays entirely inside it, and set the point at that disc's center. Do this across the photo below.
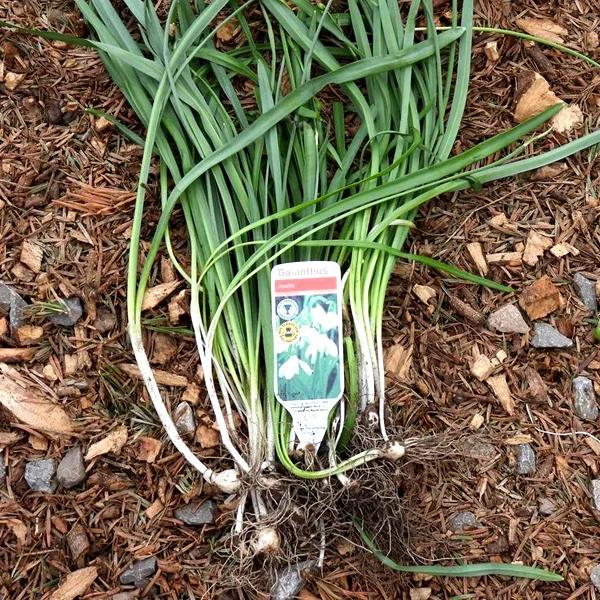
(155, 295)
(562, 249)
(113, 442)
(540, 299)
(147, 449)
(594, 444)
(476, 252)
(28, 335)
(543, 28)
(3, 326)
(491, 51)
(227, 31)
(154, 509)
(549, 172)
(535, 247)
(7, 438)
(16, 355)
(19, 530)
(519, 438)
(13, 80)
(75, 584)
(32, 255)
(191, 395)
(513, 259)
(397, 360)
(424, 293)
(502, 392)
(466, 310)
(162, 377)
(536, 98)
(568, 119)
(27, 405)
(207, 436)
(482, 368)
(101, 124)
(164, 348)
(477, 421)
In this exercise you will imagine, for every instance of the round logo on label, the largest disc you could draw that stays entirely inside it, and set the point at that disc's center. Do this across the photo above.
(288, 332)
(287, 309)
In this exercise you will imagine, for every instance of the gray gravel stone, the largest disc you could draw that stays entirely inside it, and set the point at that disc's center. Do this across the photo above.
(546, 336)
(595, 577)
(290, 581)
(508, 319)
(586, 290)
(584, 399)
(39, 475)
(596, 493)
(547, 507)
(72, 314)
(2, 469)
(197, 514)
(71, 469)
(525, 459)
(463, 520)
(184, 419)
(139, 572)
(12, 304)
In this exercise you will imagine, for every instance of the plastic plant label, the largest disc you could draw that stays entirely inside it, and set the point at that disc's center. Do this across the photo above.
(307, 335)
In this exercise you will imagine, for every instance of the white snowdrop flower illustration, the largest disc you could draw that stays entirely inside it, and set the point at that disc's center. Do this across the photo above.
(291, 367)
(321, 344)
(324, 319)
(281, 346)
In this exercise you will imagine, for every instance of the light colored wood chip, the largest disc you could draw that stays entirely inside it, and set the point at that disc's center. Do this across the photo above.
(38, 442)
(397, 361)
(513, 259)
(535, 247)
(519, 438)
(164, 348)
(501, 356)
(113, 443)
(101, 124)
(536, 98)
(22, 273)
(16, 355)
(75, 584)
(477, 421)
(3, 325)
(482, 368)
(540, 298)
(591, 39)
(49, 372)
(562, 249)
(8, 438)
(71, 364)
(549, 172)
(491, 51)
(424, 293)
(32, 255)
(28, 335)
(207, 436)
(19, 530)
(476, 251)
(568, 119)
(191, 395)
(162, 377)
(543, 28)
(501, 390)
(155, 295)
(147, 449)
(27, 405)
(167, 270)
(422, 593)
(13, 80)
(227, 31)
(594, 444)
(154, 509)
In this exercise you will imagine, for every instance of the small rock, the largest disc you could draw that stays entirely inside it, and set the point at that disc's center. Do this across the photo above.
(139, 572)
(462, 521)
(71, 470)
(184, 419)
(508, 319)
(290, 581)
(105, 320)
(546, 336)
(39, 475)
(584, 399)
(595, 577)
(547, 507)
(525, 459)
(586, 290)
(12, 305)
(596, 493)
(72, 313)
(197, 514)
(2, 469)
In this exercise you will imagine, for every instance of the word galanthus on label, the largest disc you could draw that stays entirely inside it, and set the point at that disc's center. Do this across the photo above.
(307, 336)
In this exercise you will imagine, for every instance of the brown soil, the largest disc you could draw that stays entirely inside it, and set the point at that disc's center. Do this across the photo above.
(66, 183)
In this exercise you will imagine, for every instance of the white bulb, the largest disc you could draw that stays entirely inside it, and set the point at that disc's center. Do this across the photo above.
(266, 541)
(394, 451)
(227, 481)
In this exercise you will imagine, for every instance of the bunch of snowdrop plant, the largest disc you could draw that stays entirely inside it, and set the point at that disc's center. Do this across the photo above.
(279, 178)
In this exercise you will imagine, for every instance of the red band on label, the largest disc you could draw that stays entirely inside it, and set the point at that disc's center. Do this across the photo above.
(319, 284)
